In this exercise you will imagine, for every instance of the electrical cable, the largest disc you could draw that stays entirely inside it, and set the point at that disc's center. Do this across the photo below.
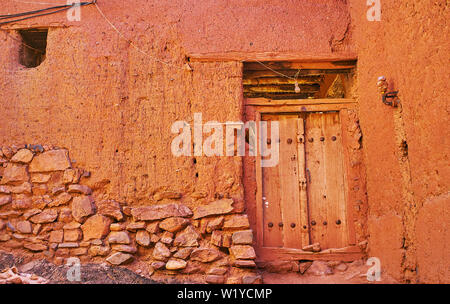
(60, 8)
(33, 14)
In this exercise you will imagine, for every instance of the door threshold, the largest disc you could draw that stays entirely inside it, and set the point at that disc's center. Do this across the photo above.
(345, 254)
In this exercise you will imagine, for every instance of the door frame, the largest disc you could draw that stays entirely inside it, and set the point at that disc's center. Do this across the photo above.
(262, 106)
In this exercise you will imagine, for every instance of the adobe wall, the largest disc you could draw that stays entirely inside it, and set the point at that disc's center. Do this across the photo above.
(407, 188)
(111, 108)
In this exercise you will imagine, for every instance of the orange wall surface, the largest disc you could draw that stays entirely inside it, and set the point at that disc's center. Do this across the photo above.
(408, 195)
(111, 104)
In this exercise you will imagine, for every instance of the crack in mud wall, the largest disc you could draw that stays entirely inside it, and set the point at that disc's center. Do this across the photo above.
(411, 208)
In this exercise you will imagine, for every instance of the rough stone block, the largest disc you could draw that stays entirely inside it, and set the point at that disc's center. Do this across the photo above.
(161, 252)
(187, 238)
(82, 207)
(237, 222)
(205, 255)
(119, 258)
(96, 227)
(111, 209)
(157, 212)
(14, 173)
(54, 160)
(22, 156)
(243, 252)
(173, 224)
(119, 237)
(223, 206)
(46, 216)
(176, 264)
(243, 237)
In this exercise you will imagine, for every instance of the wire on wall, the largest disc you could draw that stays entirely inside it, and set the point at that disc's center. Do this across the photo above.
(60, 8)
(40, 12)
(128, 40)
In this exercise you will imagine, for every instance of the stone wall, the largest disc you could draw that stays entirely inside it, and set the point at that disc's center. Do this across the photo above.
(47, 211)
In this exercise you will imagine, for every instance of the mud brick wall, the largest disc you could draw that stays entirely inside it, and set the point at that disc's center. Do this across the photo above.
(112, 107)
(46, 211)
(406, 154)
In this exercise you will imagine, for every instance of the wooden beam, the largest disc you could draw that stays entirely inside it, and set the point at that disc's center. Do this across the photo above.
(281, 80)
(346, 254)
(283, 88)
(293, 73)
(288, 65)
(325, 107)
(271, 56)
(270, 102)
(278, 96)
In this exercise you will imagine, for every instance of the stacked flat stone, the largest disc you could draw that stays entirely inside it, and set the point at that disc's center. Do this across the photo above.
(47, 211)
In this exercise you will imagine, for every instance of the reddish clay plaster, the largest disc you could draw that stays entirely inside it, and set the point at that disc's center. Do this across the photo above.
(409, 47)
(112, 107)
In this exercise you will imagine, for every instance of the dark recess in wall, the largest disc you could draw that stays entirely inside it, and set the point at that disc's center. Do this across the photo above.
(33, 48)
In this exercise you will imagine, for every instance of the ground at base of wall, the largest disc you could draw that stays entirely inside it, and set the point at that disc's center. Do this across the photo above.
(354, 277)
(57, 274)
(322, 272)
(49, 273)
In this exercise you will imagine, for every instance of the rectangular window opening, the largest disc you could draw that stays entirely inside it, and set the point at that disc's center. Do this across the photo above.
(33, 48)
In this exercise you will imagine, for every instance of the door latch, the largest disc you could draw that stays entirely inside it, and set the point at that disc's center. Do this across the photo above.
(266, 203)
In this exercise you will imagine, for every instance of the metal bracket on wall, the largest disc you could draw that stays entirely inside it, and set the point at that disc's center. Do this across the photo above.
(385, 95)
(392, 96)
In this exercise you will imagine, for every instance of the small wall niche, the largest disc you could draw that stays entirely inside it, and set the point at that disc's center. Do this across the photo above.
(33, 49)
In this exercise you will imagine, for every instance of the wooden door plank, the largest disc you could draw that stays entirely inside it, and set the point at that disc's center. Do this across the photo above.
(316, 178)
(273, 234)
(302, 181)
(259, 187)
(335, 201)
(288, 168)
(349, 195)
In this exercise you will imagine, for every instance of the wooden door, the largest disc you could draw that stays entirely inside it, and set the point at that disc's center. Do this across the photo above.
(303, 196)
(326, 180)
(284, 195)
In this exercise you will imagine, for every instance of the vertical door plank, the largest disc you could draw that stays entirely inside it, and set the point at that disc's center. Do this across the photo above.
(302, 185)
(259, 187)
(273, 236)
(334, 167)
(288, 168)
(316, 178)
(349, 175)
